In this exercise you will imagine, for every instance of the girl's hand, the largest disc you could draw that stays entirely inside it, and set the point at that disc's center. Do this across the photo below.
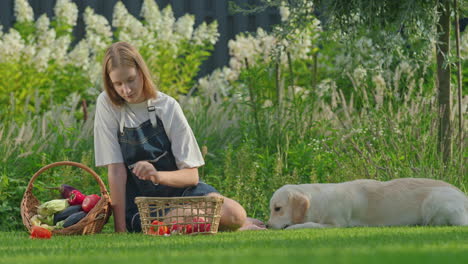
(146, 171)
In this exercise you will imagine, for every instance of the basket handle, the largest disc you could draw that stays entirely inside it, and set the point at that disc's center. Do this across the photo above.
(70, 163)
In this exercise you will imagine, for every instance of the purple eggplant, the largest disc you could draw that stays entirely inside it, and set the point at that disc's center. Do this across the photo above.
(74, 218)
(64, 189)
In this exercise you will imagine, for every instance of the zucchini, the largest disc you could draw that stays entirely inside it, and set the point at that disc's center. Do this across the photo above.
(74, 218)
(62, 215)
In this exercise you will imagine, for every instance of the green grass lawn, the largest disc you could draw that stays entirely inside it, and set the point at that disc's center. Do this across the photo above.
(350, 245)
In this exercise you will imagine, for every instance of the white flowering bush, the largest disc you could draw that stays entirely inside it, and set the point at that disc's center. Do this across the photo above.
(249, 49)
(39, 66)
(264, 50)
(35, 68)
(66, 15)
(172, 48)
(266, 81)
(371, 60)
(252, 77)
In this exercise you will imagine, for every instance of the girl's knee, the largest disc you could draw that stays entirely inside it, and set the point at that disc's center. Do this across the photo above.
(238, 216)
(233, 215)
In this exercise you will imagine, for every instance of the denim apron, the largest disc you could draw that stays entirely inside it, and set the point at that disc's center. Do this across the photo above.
(149, 142)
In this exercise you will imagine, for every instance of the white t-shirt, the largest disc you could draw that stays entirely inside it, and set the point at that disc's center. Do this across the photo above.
(107, 124)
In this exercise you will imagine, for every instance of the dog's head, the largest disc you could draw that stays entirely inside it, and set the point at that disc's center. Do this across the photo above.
(287, 207)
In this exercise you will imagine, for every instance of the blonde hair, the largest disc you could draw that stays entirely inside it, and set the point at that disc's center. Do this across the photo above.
(123, 54)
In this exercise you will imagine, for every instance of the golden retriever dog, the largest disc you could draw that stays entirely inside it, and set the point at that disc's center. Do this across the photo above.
(399, 202)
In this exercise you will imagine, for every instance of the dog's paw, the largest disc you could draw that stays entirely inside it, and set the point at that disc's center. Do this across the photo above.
(298, 226)
(307, 225)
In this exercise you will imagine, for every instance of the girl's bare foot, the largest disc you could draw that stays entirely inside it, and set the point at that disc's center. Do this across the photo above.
(252, 224)
(255, 222)
(251, 227)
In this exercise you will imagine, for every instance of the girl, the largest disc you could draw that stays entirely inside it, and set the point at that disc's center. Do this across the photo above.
(143, 138)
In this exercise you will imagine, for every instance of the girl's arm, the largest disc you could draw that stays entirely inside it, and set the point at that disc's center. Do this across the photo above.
(179, 178)
(117, 175)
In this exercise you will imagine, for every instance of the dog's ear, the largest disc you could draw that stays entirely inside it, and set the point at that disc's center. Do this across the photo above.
(300, 204)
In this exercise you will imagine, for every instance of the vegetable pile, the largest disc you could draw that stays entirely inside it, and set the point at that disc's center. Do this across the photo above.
(197, 225)
(62, 213)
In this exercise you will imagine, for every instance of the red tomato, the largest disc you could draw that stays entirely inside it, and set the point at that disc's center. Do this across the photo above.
(176, 228)
(200, 225)
(89, 202)
(188, 229)
(205, 227)
(40, 232)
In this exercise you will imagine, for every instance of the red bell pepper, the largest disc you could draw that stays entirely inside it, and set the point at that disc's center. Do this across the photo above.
(40, 232)
(89, 202)
(76, 197)
(161, 228)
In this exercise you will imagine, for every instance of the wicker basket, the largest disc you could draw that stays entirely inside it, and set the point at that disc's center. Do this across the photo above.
(179, 215)
(91, 224)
